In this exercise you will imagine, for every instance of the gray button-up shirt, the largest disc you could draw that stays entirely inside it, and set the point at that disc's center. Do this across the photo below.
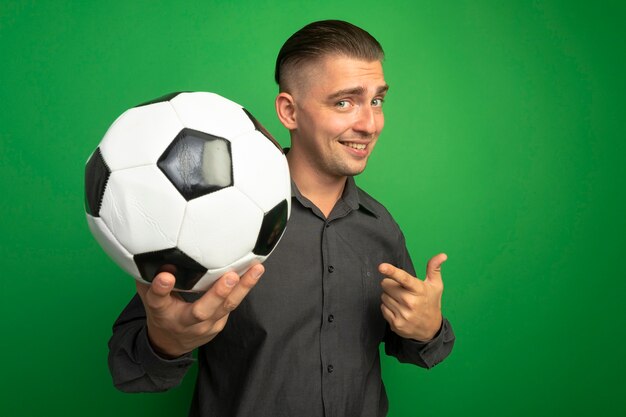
(304, 342)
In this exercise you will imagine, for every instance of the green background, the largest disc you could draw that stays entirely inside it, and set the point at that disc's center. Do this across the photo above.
(504, 147)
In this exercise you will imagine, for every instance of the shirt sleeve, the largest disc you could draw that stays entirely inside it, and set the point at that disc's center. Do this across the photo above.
(424, 354)
(133, 364)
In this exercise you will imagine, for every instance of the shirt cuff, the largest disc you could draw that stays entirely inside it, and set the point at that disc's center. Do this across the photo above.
(438, 348)
(425, 354)
(157, 366)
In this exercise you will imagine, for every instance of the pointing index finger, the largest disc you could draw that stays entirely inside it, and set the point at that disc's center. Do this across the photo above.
(399, 275)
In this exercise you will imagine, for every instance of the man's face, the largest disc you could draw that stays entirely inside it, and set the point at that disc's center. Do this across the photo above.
(339, 114)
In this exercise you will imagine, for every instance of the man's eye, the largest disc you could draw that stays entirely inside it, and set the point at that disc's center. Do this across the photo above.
(342, 104)
(377, 102)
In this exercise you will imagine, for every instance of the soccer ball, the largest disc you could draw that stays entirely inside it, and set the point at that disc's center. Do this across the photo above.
(189, 181)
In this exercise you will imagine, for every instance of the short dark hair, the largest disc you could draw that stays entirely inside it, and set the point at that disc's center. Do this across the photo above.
(322, 38)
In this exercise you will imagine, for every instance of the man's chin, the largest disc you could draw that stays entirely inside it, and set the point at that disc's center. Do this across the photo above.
(353, 171)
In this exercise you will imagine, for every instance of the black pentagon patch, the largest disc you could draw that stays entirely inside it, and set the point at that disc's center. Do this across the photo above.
(272, 228)
(258, 126)
(161, 99)
(197, 163)
(96, 176)
(187, 271)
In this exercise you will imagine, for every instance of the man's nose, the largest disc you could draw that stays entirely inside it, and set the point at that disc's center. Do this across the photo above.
(366, 121)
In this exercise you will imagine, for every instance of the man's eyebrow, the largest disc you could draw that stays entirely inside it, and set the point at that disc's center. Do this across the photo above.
(356, 91)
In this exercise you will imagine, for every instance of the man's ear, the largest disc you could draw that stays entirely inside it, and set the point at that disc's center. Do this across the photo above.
(286, 110)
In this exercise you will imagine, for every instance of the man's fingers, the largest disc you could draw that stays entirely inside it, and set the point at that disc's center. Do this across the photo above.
(387, 314)
(224, 296)
(246, 283)
(393, 289)
(205, 307)
(391, 303)
(433, 269)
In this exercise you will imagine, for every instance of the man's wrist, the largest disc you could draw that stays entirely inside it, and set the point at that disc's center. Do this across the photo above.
(163, 353)
(437, 333)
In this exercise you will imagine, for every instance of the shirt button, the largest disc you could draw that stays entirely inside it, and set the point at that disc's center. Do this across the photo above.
(327, 225)
(330, 369)
(331, 268)
(331, 318)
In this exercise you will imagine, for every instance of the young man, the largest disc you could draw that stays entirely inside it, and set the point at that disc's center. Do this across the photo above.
(305, 341)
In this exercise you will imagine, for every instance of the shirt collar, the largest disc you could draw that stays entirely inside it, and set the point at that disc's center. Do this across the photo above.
(351, 196)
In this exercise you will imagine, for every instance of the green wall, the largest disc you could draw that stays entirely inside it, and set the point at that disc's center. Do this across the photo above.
(504, 147)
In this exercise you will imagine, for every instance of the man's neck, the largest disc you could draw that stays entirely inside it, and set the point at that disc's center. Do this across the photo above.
(322, 190)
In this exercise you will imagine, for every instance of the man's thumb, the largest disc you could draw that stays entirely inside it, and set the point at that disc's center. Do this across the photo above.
(433, 269)
(162, 284)
(156, 295)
